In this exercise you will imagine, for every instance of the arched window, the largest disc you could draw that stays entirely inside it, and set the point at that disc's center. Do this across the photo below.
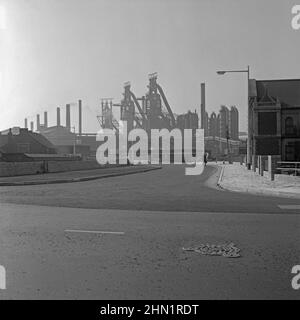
(289, 126)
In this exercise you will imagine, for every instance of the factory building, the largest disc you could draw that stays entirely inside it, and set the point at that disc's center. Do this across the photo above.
(234, 123)
(150, 111)
(64, 138)
(221, 131)
(16, 143)
(225, 124)
(222, 134)
(188, 120)
(213, 125)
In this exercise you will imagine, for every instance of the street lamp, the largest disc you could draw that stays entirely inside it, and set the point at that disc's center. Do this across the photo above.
(222, 72)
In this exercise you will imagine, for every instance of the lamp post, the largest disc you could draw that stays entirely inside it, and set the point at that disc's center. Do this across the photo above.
(249, 140)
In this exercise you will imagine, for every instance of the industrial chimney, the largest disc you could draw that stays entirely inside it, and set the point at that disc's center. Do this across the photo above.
(80, 117)
(202, 105)
(45, 119)
(68, 117)
(58, 116)
(38, 123)
(31, 126)
(26, 123)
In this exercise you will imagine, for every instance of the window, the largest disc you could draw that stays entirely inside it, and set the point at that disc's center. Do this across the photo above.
(290, 152)
(267, 146)
(289, 126)
(267, 123)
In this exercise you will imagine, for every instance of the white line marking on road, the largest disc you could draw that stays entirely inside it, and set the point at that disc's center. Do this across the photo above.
(95, 231)
(289, 206)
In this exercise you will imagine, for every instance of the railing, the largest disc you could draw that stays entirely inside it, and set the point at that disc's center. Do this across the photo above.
(269, 164)
(289, 167)
(224, 140)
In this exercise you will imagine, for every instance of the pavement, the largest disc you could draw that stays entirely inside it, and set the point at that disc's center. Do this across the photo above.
(123, 238)
(236, 177)
(74, 176)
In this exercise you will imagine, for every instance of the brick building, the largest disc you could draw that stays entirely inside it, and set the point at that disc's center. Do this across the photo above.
(275, 106)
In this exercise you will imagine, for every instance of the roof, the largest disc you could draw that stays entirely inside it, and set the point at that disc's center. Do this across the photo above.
(287, 91)
(16, 131)
(41, 139)
(13, 130)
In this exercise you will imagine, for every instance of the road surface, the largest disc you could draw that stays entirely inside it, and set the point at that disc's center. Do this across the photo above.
(123, 238)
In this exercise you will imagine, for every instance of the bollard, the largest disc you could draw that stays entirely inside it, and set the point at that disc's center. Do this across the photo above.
(271, 168)
(254, 159)
(261, 165)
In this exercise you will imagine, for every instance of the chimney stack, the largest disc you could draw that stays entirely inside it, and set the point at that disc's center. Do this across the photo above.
(202, 105)
(26, 123)
(80, 117)
(38, 123)
(58, 116)
(68, 117)
(31, 126)
(45, 119)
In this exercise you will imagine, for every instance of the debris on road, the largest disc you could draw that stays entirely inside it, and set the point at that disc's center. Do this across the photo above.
(225, 250)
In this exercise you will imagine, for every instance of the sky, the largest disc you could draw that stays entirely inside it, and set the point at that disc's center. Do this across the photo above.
(54, 52)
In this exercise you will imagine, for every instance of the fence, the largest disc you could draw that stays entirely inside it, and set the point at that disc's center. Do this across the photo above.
(270, 165)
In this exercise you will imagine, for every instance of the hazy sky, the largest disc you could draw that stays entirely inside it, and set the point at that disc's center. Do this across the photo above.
(56, 51)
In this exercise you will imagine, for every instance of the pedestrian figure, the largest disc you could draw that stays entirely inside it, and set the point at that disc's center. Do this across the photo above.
(205, 158)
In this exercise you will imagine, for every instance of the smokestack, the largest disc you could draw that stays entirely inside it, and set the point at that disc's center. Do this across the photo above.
(58, 116)
(26, 123)
(31, 126)
(80, 117)
(202, 105)
(38, 123)
(68, 117)
(45, 119)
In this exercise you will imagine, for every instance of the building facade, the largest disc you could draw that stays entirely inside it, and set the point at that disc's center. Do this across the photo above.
(275, 106)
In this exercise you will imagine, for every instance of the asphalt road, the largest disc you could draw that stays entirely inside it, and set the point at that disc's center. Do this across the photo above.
(168, 189)
(51, 247)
